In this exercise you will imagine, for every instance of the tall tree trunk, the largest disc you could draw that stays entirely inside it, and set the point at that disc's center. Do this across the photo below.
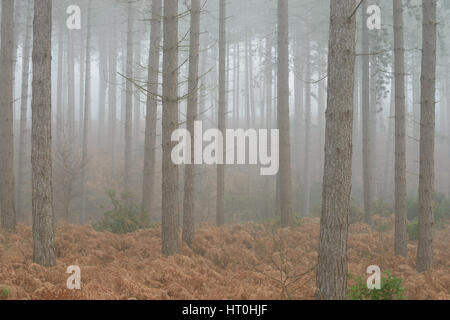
(448, 131)
(332, 266)
(285, 192)
(128, 103)
(401, 240)
(59, 88)
(189, 178)
(170, 216)
(87, 114)
(373, 114)
(390, 136)
(8, 214)
(366, 124)
(321, 118)
(81, 86)
(250, 80)
(148, 185)
(137, 97)
(71, 90)
(247, 102)
(41, 133)
(24, 134)
(299, 122)
(427, 136)
(103, 76)
(112, 98)
(269, 83)
(306, 171)
(220, 218)
(236, 72)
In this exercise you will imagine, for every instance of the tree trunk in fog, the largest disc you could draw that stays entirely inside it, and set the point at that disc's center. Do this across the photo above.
(148, 185)
(112, 97)
(8, 214)
(332, 262)
(307, 173)
(87, 113)
(41, 151)
(103, 76)
(321, 117)
(137, 97)
(220, 219)
(299, 122)
(401, 240)
(59, 88)
(189, 178)
(269, 83)
(81, 85)
(390, 136)
(373, 132)
(237, 91)
(20, 207)
(250, 81)
(71, 91)
(128, 103)
(169, 125)
(448, 132)
(247, 103)
(427, 136)
(285, 192)
(366, 124)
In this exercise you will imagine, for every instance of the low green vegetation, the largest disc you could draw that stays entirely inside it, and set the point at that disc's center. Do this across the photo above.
(391, 289)
(4, 292)
(124, 217)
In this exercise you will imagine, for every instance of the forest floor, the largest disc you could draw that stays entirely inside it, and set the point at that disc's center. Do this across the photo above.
(250, 261)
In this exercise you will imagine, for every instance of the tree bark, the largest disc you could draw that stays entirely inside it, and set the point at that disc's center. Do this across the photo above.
(220, 218)
(307, 146)
(148, 185)
(299, 121)
(71, 91)
(283, 114)
(86, 114)
(41, 151)
(112, 98)
(103, 76)
(269, 83)
(427, 138)
(401, 240)
(137, 96)
(189, 178)
(332, 262)
(24, 133)
(128, 103)
(7, 189)
(448, 132)
(366, 124)
(169, 125)
(59, 88)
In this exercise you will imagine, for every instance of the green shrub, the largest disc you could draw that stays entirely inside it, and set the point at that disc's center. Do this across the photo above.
(412, 229)
(4, 291)
(391, 289)
(123, 218)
